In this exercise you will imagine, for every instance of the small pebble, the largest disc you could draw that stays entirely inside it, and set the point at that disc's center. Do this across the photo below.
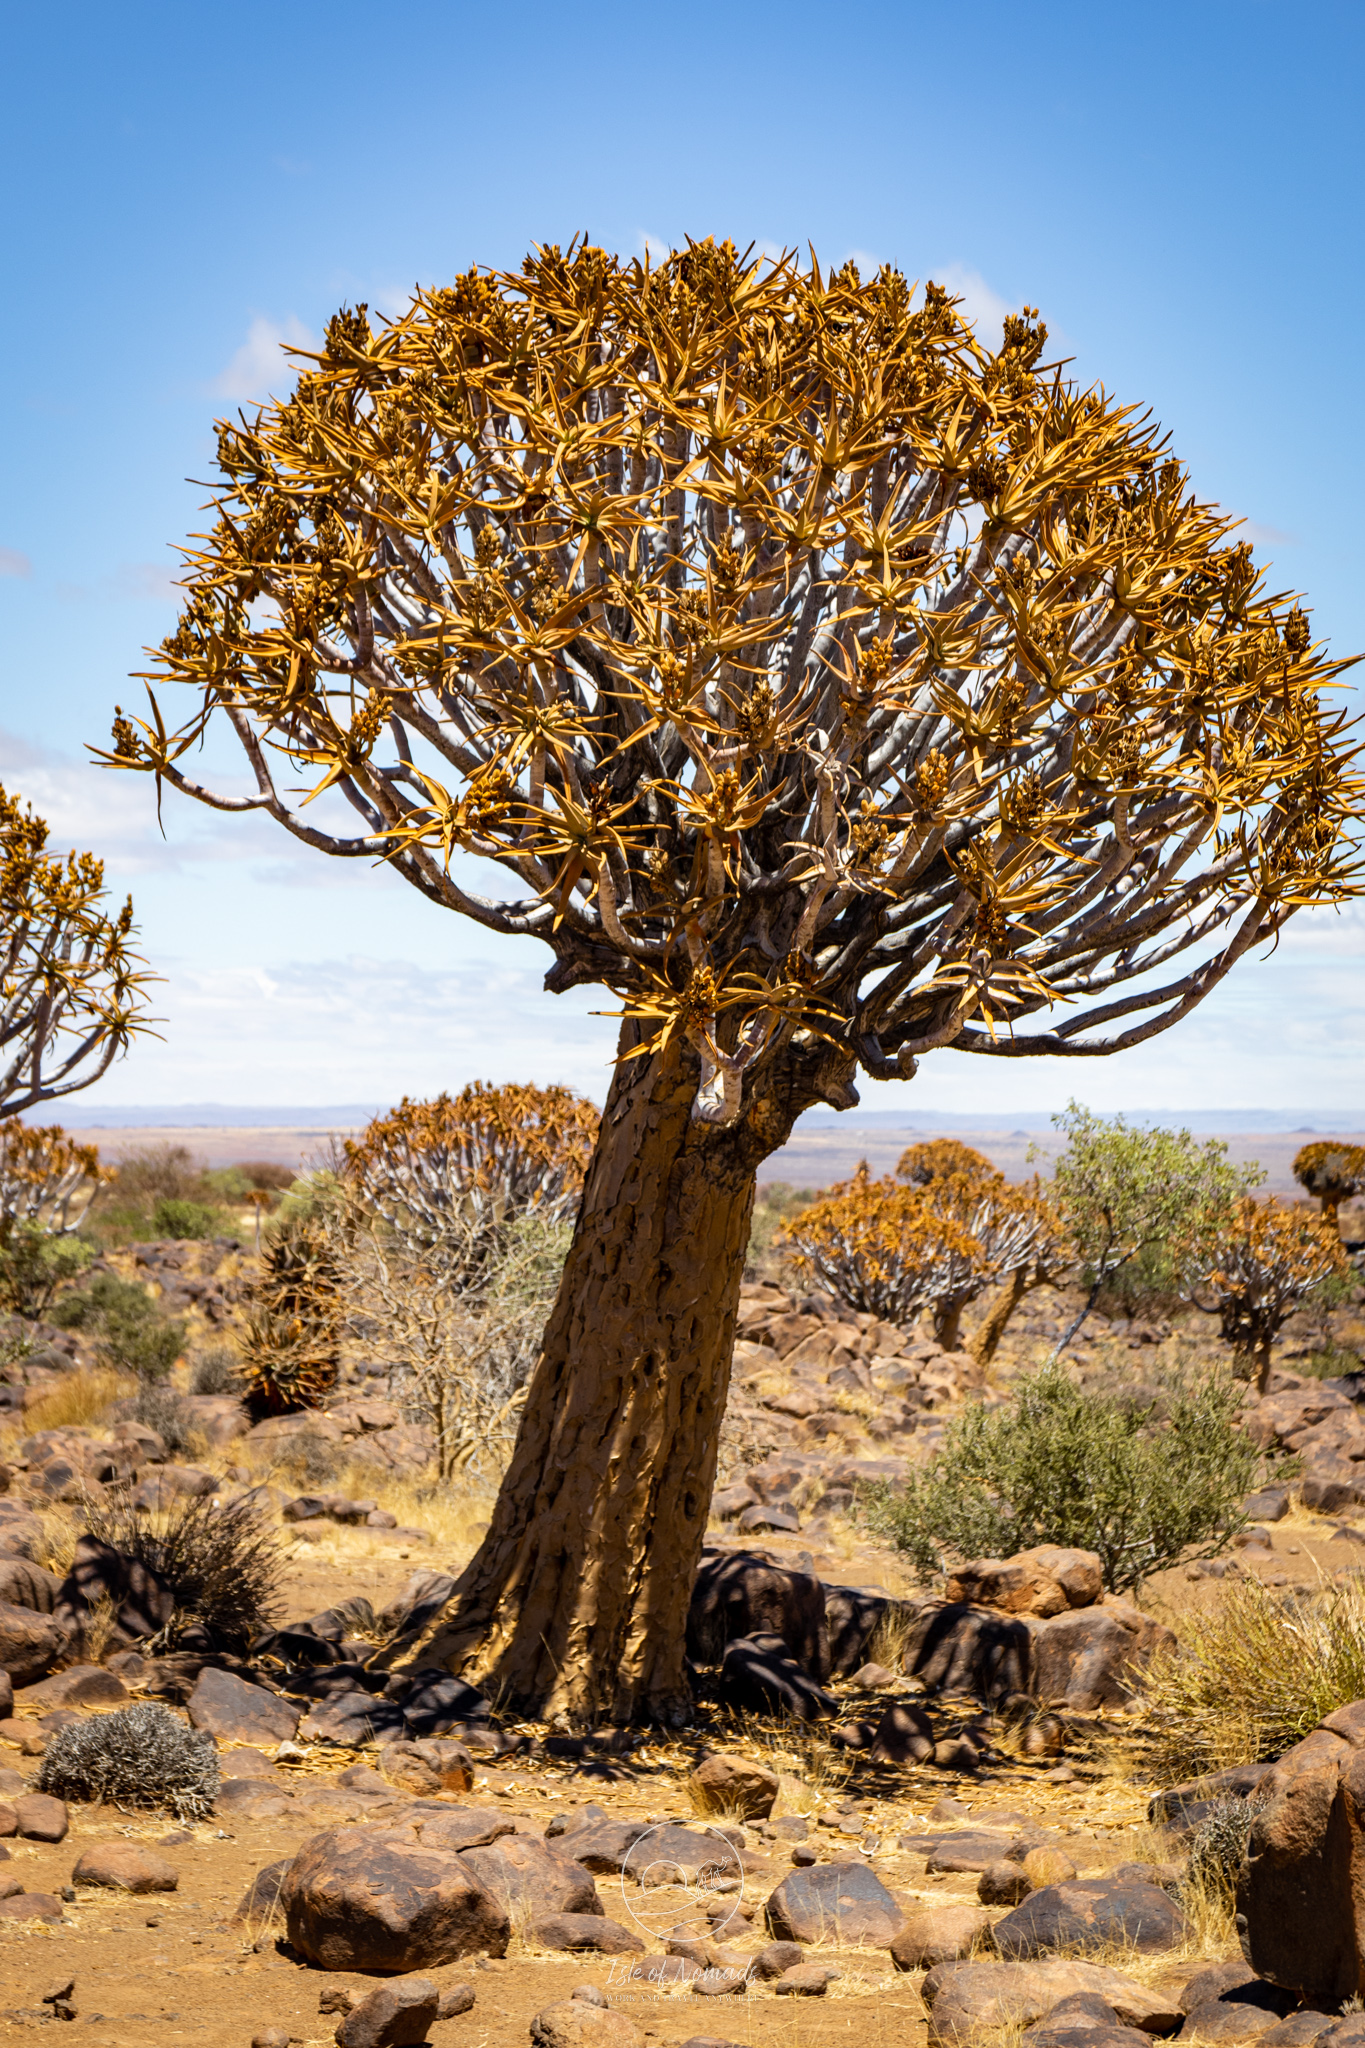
(588, 1994)
(270, 2037)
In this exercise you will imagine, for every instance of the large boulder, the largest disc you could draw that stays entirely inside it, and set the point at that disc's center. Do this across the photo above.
(834, 1902)
(24, 1584)
(30, 1643)
(1093, 1656)
(1044, 1581)
(378, 1899)
(970, 1999)
(745, 1593)
(526, 1877)
(1301, 1896)
(960, 1649)
(758, 1677)
(1089, 1913)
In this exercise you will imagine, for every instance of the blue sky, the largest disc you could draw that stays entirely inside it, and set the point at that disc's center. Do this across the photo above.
(1178, 188)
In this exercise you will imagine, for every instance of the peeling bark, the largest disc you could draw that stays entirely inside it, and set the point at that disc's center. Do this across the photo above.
(575, 1604)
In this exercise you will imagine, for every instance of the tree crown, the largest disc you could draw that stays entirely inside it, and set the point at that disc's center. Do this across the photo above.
(815, 675)
(1330, 1171)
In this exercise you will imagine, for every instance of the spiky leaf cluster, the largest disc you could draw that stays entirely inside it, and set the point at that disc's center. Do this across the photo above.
(812, 672)
(451, 1175)
(291, 1344)
(222, 1565)
(46, 1178)
(71, 987)
(141, 1756)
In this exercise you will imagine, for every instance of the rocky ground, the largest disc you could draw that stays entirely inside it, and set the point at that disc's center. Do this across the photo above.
(901, 1803)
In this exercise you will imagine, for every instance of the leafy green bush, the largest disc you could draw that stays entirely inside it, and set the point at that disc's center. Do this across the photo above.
(173, 1217)
(133, 1334)
(33, 1265)
(1137, 1483)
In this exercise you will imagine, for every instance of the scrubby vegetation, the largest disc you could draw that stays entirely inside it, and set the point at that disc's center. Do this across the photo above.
(291, 1341)
(132, 1332)
(1141, 1484)
(221, 1564)
(139, 1757)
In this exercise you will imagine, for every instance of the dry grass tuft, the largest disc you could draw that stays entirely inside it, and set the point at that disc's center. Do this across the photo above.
(1253, 1676)
(82, 1398)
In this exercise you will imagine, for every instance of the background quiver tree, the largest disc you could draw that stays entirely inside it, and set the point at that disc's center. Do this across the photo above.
(1331, 1173)
(71, 986)
(831, 687)
(448, 1176)
(47, 1184)
(937, 1157)
(898, 1252)
(294, 1313)
(1263, 1262)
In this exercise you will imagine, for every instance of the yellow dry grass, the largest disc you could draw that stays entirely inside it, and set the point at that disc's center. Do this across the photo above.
(83, 1398)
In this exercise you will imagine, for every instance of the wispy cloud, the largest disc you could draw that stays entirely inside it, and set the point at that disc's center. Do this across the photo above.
(258, 369)
(1261, 536)
(12, 563)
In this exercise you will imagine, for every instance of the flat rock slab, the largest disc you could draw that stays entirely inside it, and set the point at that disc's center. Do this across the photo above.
(251, 1799)
(603, 1845)
(80, 1685)
(1090, 1913)
(972, 1849)
(834, 1902)
(352, 1718)
(233, 1710)
(591, 1932)
(1229, 2020)
(969, 1999)
(453, 1828)
(376, 1899)
(670, 1854)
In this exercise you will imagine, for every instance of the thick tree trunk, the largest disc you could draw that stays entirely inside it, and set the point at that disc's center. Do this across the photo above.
(576, 1603)
(986, 1336)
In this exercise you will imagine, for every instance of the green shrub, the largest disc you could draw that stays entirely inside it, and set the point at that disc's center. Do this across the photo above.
(161, 1408)
(173, 1217)
(133, 1334)
(33, 1265)
(1092, 1471)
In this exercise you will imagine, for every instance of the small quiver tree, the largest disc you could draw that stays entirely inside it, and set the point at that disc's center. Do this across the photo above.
(831, 687)
(938, 1157)
(448, 1177)
(1332, 1174)
(291, 1343)
(1048, 1256)
(899, 1252)
(1264, 1262)
(47, 1183)
(71, 987)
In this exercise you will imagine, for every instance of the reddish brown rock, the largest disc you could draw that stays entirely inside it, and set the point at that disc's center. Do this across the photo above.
(1094, 1656)
(393, 2015)
(570, 1932)
(1045, 1581)
(1089, 1913)
(80, 1685)
(30, 1643)
(938, 1934)
(971, 1998)
(376, 1899)
(42, 1818)
(526, 1877)
(235, 1711)
(743, 1593)
(31, 1906)
(574, 2023)
(734, 1785)
(1301, 1897)
(126, 1867)
(834, 1902)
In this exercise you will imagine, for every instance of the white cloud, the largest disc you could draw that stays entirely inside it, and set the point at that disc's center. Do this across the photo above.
(360, 1030)
(981, 305)
(868, 264)
(12, 563)
(1260, 536)
(148, 579)
(258, 369)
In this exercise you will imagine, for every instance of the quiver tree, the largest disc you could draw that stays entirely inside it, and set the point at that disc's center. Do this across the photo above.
(448, 1177)
(71, 987)
(932, 1249)
(47, 1180)
(1332, 1174)
(938, 1157)
(830, 687)
(1265, 1260)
